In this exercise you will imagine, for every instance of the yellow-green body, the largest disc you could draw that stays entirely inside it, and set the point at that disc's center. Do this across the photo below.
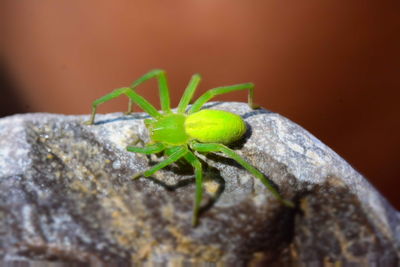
(215, 126)
(205, 126)
(179, 135)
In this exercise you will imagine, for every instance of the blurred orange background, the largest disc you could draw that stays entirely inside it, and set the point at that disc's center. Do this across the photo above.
(331, 66)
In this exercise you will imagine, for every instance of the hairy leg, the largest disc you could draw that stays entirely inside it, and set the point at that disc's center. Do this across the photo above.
(162, 85)
(180, 152)
(149, 149)
(188, 94)
(134, 97)
(193, 160)
(143, 103)
(223, 90)
(213, 147)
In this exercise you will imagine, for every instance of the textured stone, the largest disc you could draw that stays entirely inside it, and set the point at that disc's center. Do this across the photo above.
(66, 195)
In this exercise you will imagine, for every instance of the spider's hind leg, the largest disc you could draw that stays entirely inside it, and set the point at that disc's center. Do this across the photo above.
(215, 147)
(179, 153)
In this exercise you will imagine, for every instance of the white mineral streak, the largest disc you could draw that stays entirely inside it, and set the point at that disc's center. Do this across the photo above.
(13, 161)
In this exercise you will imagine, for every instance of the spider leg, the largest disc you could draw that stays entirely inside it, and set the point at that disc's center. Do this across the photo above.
(162, 84)
(188, 94)
(149, 149)
(214, 147)
(193, 160)
(178, 153)
(223, 90)
(143, 103)
(134, 97)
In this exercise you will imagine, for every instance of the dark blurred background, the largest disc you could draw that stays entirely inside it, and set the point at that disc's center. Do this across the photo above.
(331, 66)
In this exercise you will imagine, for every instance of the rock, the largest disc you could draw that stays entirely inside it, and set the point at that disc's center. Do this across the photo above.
(67, 195)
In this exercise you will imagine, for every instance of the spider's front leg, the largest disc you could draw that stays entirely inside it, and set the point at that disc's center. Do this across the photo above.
(179, 152)
(176, 155)
(189, 92)
(195, 162)
(162, 85)
(134, 97)
(143, 103)
(149, 149)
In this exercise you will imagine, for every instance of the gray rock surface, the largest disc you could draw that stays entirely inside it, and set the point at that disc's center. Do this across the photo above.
(66, 195)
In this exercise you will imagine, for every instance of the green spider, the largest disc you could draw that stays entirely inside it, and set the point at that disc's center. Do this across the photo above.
(182, 133)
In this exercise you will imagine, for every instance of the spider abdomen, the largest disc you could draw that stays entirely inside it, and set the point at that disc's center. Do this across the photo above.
(215, 126)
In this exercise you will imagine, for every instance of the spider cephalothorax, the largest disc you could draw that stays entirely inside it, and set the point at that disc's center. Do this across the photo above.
(182, 133)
